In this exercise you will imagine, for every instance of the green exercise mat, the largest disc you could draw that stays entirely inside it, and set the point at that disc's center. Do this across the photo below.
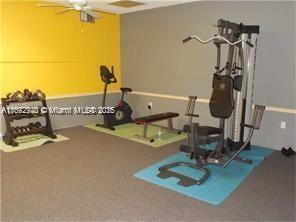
(128, 130)
(27, 142)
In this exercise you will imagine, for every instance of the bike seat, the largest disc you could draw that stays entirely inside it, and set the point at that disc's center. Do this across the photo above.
(126, 90)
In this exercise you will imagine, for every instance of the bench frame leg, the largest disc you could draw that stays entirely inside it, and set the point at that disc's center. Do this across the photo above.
(145, 130)
(171, 128)
(144, 135)
(170, 124)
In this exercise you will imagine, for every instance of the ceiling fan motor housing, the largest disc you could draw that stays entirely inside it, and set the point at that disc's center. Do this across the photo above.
(84, 17)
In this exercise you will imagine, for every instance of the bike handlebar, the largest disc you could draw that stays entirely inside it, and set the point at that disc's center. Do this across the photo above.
(107, 76)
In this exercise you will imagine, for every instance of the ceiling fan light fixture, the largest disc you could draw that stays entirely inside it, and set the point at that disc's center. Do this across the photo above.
(126, 3)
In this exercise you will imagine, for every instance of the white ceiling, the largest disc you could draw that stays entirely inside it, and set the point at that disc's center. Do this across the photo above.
(149, 4)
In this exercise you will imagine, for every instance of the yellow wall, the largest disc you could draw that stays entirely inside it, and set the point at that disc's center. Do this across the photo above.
(55, 53)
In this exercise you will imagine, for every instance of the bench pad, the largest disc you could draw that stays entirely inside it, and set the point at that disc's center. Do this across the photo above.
(156, 117)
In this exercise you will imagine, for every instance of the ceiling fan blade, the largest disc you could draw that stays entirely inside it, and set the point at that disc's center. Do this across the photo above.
(103, 11)
(91, 13)
(48, 5)
(64, 11)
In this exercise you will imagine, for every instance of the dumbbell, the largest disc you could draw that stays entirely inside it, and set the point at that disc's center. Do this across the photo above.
(25, 129)
(16, 129)
(38, 94)
(38, 126)
(27, 94)
(19, 130)
(30, 129)
(8, 96)
(34, 127)
(18, 96)
(31, 126)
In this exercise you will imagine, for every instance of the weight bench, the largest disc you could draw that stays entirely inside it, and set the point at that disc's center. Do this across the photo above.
(146, 120)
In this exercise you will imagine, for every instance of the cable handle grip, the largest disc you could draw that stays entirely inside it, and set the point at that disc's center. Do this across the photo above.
(187, 39)
(249, 44)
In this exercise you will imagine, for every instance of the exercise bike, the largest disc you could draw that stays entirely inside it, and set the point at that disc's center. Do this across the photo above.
(122, 111)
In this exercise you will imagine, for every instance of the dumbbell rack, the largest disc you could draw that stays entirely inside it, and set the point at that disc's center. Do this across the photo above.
(33, 128)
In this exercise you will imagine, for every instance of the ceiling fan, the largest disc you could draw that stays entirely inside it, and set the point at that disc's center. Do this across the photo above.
(77, 5)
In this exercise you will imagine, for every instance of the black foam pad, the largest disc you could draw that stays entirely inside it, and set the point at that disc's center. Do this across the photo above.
(221, 102)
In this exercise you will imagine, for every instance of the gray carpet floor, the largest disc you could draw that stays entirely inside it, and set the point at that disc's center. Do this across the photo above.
(90, 177)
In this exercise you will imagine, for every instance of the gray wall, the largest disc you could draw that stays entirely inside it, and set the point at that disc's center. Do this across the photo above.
(155, 60)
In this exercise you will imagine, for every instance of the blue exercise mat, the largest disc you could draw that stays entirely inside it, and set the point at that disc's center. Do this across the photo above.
(221, 183)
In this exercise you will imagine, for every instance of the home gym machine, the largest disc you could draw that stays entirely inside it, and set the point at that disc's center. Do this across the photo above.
(122, 111)
(231, 102)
